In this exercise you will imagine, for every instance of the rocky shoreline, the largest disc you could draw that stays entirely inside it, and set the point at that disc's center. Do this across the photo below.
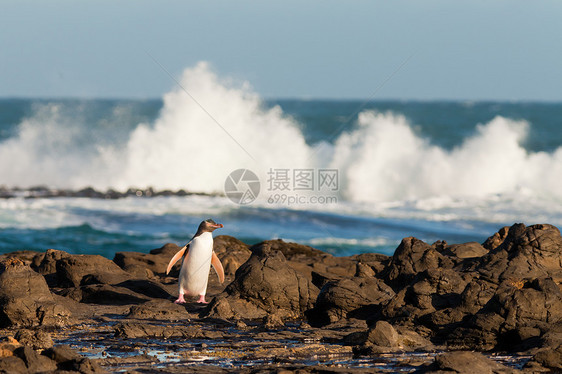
(494, 307)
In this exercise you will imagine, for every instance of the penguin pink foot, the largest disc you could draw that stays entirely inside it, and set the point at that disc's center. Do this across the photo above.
(202, 300)
(180, 300)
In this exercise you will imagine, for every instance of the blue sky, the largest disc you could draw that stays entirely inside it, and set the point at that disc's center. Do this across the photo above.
(460, 50)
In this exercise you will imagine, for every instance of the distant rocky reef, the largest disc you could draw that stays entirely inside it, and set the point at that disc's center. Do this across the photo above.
(89, 192)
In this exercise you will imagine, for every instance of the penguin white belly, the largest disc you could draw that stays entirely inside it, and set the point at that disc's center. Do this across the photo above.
(194, 273)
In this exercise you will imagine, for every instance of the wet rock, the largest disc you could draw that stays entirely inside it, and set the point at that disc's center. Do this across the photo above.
(410, 340)
(158, 310)
(130, 330)
(156, 261)
(413, 256)
(105, 294)
(548, 358)
(7, 347)
(77, 270)
(232, 253)
(311, 263)
(145, 287)
(553, 336)
(356, 297)
(34, 362)
(525, 253)
(376, 261)
(265, 284)
(46, 264)
(34, 339)
(476, 294)
(463, 362)
(25, 298)
(497, 239)
(139, 271)
(466, 250)
(82, 365)
(12, 364)
(291, 251)
(383, 337)
(27, 257)
(533, 303)
(61, 354)
(168, 250)
(515, 314)
(431, 291)
(66, 359)
(273, 321)
(383, 334)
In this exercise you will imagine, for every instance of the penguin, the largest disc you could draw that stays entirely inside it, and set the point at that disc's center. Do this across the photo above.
(198, 256)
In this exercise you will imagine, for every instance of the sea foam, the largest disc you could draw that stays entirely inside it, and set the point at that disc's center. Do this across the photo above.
(210, 126)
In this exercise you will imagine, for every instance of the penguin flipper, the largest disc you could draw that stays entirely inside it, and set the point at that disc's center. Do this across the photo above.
(176, 258)
(217, 266)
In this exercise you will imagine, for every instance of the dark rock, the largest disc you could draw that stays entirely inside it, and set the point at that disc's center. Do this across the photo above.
(430, 291)
(553, 336)
(77, 270)
(497, 239)
(139, 271)
(12, 364)
(8, 347)
(145, 287)
(46, 264)
(383, 334)
(61, 353)
(549, 358)
(477, 294)
(466, 250)
(156, 261)
(265, 284)
(355, 297)
(89, 192)
(463, 362)
(25, 298)
(105, 294)
(312, 263)
(232, 253)
(159, 310)
(290, 250)
(27, 257)
(376, 261)
(273, 321)
(68, 360)
(413, 256)
(531, 304)
(410, 340)
(514, 315)
(525, 253)
(34, 339)
(168, 250)
(82, 365)
(130, 330)
(34, 362)
(383, 337)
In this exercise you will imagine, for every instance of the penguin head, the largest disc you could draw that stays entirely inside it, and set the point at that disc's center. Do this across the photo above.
(209, 225)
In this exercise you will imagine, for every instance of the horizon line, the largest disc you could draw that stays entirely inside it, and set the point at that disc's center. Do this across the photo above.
(295, 98)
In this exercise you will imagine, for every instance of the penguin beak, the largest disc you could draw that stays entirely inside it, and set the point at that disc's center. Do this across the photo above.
(218, 226)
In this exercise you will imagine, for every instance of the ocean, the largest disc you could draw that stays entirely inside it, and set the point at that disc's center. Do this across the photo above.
(344, 176)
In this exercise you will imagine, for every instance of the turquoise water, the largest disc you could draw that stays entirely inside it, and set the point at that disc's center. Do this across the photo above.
(454, 171)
